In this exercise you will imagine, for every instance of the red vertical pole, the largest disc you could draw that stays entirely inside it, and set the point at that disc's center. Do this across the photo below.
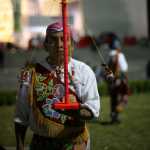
(67, 104)
(65, 35)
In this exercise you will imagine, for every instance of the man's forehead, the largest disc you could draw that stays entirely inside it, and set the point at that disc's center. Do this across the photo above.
(54, 34)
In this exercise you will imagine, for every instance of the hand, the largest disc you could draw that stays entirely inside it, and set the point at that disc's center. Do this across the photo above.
(85, 114)
(82, 113)
(109, 76)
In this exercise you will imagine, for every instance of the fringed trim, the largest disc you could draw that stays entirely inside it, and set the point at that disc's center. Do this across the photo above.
(52, 128)
(31, 87)
(83, 137)
(57, 130)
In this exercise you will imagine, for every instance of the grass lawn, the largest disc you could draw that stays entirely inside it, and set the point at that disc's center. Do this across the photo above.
(132, 134)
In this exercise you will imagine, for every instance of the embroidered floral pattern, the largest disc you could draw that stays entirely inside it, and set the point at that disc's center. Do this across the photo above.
(47, 94)
(43, 89)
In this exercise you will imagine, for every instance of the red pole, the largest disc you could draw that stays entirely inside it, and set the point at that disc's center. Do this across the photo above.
(65, 35)
(67, 104)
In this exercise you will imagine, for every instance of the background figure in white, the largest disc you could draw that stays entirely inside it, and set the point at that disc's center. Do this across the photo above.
(118, 90)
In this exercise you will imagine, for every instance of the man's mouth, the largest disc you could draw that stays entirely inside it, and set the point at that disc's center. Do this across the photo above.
(61, 52)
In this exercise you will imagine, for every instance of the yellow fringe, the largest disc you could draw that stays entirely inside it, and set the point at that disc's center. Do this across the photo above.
(31, 87)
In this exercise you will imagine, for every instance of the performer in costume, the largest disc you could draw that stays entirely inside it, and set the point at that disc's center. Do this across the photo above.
(42, 85)
(118, 89)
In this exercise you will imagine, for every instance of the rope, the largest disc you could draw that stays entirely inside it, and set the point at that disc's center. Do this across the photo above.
(97, 48)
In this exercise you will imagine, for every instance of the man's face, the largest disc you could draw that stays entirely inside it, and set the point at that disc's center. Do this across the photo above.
(54, 46)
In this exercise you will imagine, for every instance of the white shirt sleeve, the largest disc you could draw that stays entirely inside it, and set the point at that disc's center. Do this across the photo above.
(123, 63)
(22, 107)
(90, 96)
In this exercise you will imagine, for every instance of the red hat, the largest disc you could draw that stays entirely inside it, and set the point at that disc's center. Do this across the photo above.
(58, 26)
(55, 27)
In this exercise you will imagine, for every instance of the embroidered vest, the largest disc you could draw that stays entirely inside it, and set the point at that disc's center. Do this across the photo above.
(46, 89)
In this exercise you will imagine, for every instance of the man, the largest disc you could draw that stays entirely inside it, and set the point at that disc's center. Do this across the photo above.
(118, 89)
(41, 85)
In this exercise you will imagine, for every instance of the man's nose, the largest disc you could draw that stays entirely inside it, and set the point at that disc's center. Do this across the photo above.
(60, 42)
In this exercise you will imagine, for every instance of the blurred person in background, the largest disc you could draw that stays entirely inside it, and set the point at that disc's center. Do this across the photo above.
(118, 89)
(41, 85)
